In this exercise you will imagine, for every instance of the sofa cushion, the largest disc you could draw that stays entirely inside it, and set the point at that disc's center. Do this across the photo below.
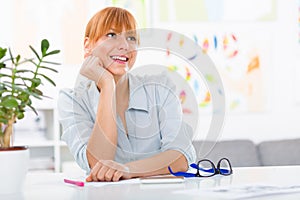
(281, 152)
(241, 153)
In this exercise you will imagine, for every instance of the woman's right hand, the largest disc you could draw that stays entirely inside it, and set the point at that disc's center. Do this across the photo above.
(108, 170)
(93, 69)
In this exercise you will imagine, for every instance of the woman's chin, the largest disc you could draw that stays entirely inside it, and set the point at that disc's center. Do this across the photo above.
(119, 70)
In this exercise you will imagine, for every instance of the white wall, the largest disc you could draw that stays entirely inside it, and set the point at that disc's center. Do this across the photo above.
(283, 118)
(280, 120)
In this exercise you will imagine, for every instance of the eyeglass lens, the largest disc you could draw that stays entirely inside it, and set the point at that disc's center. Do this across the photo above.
(224, 167)
(206, 168)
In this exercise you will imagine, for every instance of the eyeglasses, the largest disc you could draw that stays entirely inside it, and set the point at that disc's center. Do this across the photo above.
(206, 168)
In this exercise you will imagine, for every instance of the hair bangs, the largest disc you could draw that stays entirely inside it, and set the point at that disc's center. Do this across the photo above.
(117, 19)
(120, 20)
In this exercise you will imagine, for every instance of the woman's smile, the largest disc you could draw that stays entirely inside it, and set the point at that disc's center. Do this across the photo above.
(121, 59)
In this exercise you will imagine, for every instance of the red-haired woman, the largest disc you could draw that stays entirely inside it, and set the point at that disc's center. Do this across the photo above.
(117, 125)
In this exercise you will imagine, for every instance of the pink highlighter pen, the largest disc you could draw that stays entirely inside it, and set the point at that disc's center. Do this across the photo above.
(78, 183)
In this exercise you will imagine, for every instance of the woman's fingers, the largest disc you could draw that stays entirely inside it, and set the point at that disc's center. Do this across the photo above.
(102, 172)
(109, 174)
(92, 69)
(93, 174)
(108, 170)
(117, 175)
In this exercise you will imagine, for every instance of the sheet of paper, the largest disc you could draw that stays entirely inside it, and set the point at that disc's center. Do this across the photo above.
(81, 178)
(242, 191)
(130, 181)
(100, 184)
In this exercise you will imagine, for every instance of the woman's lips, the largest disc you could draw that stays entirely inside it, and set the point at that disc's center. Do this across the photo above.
(119, 59)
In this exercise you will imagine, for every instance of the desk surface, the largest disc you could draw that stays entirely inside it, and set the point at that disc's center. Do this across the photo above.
(51, 186)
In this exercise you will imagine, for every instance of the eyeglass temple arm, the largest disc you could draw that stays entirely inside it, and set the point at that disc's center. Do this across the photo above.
(195, 166)
(185, 174)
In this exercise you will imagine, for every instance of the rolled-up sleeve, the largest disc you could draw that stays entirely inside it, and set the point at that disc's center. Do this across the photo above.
(77, 125)
(175, 133)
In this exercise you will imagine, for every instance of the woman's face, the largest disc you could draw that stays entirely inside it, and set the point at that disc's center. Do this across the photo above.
(117, 51)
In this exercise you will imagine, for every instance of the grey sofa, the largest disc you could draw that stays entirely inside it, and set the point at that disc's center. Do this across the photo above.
(244, 153)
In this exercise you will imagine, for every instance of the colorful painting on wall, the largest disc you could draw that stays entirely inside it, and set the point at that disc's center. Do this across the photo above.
(243, 61)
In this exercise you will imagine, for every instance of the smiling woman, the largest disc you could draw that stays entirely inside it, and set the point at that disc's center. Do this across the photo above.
(116, 124)
(119, 27)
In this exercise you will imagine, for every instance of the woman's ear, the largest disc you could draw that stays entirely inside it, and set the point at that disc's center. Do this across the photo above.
(87, 47)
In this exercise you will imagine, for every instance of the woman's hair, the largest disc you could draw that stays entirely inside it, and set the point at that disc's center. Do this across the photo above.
(108, 18)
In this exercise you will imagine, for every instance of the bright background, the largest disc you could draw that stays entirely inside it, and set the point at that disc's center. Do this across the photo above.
(254, 44)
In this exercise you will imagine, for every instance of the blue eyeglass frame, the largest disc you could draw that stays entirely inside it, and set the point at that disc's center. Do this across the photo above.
(214, 170)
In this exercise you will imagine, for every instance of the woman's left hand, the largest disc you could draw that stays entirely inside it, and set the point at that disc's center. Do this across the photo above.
(108, 170)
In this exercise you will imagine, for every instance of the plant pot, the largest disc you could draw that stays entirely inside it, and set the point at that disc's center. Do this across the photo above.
(13, 168)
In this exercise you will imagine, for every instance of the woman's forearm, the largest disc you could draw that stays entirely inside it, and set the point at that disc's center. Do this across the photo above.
(158, 164)
(103, 140)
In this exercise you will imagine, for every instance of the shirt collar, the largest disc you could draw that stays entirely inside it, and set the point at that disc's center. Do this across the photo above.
(137, 93)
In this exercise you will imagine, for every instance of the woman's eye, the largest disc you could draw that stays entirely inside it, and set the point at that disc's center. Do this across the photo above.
(131, 38)
(111, 35)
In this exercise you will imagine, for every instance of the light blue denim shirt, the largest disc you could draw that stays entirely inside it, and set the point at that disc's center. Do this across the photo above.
(153, 119)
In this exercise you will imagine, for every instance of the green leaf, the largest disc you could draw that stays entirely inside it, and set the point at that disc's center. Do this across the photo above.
(23, 78)
(48, 79)
(21, 88)
(34, 51)
(7, 85)
(37, 91)
(36, 81)
(54, 70)
(4, 121)
(31, 94)
(44, 46)
(2, 113)
(11, 56)
(15, 87)
(23, 96)
(20, 115)
(35, 95)
(32, 108)
(5, 75)
(2, 53)
(2, 65)
(30, 60)
(53, 63)
(47, 97)
(18, 58)
(2, 87)
(24, 70)
(27, 60)
(28, 102)
(52, 52)
(10, 102)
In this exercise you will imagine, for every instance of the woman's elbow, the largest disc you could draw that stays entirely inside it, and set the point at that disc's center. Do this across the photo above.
(180, 164)
(183, 164)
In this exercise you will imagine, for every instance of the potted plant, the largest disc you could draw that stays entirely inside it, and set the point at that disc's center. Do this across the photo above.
(20, 81)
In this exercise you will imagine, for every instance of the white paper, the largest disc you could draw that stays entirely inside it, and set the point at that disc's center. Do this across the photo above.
(101, 184)
(243, 191)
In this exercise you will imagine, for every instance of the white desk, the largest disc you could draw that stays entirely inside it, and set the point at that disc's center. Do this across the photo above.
(51, 186)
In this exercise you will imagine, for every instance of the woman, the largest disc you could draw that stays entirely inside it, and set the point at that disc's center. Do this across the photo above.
(120, 126)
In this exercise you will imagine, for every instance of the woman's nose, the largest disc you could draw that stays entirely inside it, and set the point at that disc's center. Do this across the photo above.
(123, 43)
